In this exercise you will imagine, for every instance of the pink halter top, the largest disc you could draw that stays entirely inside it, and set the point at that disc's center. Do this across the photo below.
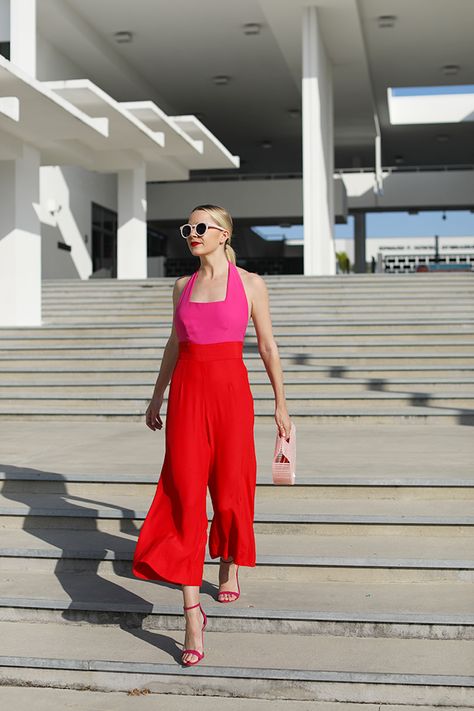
(213, 321)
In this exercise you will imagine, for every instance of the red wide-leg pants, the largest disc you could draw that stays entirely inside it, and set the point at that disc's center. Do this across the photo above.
(209, 436)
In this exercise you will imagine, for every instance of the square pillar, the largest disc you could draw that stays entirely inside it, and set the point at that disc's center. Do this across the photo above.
(318, 150)
(132, 225)
(23, 35)
(359, 243)
(20, 241)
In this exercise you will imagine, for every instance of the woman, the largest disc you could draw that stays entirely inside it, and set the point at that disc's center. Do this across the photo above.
(209, 424)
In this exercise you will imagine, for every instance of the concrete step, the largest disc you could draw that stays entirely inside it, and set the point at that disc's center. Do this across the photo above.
(283, 338)
(419, 277)
(372, 305)
(305, 351)
(318, 387)
(306, 489)
(311, 291)
(288, 359)
(152, 294)
(347, 668)
(317, 327)
(362, 555)
(440, 610)
(297, 402)
(83, 313)
(283, 282)
(307, 348)
(377, 375)
(310, 284)
(402, 484)
(279, 309)
(441, 416)
(117, 320)
(429, 322)
(24, 698)
(272, 503)
(349, 454)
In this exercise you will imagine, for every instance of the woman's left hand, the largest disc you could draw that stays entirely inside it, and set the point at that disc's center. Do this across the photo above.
(283, 421)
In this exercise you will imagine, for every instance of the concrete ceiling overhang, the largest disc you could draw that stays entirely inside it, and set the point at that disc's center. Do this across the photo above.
(130, 141)
(32, 113)
(183, 131)
(76, 122)
(213, 148)
(174, 56)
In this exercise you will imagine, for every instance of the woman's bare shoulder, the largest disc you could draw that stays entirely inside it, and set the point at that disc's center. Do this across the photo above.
(179, 285)
(181, 281)
(252, 280)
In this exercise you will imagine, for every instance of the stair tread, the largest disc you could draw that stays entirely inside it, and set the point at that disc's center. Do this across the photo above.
(281, 503)
(443, 602)
(305, 479)
(232, 652)
(282, 549)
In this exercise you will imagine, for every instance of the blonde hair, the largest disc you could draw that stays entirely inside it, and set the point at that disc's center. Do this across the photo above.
(223, 219)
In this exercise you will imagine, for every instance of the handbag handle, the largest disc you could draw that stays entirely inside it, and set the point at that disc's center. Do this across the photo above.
(284, 445)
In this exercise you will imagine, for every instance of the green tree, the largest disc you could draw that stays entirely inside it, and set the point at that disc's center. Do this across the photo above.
(343, 262)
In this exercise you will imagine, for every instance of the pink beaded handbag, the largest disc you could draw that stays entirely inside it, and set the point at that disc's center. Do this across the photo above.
(284, 458)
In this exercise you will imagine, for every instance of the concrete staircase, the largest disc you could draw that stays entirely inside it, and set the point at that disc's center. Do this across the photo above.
(378, 348)
(362, 596)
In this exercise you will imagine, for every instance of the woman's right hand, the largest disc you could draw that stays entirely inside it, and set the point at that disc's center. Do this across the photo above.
(152, 415)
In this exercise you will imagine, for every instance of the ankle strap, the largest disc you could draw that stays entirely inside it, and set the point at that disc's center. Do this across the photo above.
(191, 606)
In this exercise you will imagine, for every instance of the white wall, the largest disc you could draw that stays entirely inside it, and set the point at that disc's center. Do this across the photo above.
(4, 20)
(243, 198)
(73, 189)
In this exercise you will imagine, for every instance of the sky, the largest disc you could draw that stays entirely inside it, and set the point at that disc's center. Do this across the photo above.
(458, 223)
(430, 90)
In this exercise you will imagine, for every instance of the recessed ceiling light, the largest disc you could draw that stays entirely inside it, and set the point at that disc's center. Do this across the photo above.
(266, 144)
(450, 69)
(221, 79)
(386, 20)
(252, 28)
(123, 36)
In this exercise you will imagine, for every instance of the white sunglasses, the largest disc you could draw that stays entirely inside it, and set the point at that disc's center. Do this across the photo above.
(201, 229)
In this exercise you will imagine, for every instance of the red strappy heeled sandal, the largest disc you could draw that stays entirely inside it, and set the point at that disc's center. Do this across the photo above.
(199, 655)
(231, 592)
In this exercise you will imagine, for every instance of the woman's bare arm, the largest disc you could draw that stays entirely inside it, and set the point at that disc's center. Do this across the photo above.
(268, 349)
(170, 356)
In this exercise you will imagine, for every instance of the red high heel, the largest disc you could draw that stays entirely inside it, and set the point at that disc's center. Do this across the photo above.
(199, 655)
(231, 592)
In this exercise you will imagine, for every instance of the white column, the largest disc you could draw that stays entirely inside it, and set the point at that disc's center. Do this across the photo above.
(23, 35)
(132, 227)
(20, 241)
(318, 150)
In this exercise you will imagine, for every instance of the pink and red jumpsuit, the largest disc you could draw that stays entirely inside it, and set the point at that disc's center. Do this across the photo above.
(209, 442)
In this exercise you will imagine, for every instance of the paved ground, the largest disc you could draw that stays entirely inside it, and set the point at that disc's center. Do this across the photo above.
(62, 699)
(407, 450)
